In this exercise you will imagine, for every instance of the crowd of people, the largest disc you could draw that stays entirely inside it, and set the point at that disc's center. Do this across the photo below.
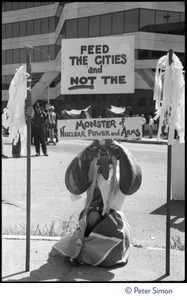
(149, 122)
(43, 131)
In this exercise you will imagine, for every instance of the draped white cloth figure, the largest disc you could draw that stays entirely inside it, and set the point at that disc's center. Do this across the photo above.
(14, 114)
(169, 96)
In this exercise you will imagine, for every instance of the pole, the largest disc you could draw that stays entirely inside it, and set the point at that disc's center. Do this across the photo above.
(28, 61)
(48, 89)
(168, 196)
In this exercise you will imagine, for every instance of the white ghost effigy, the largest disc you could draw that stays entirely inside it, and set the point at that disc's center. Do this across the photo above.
(107, 172)
(169, 96)
(14, 114)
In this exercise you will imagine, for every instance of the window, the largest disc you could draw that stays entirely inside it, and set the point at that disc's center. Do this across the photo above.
(3, 31)
(106, 24)
(15, 29)
(161, 22)
(149, 54)
(52, 51)
(147, 20)
(118, 22)
(52, 24)
(37, 3)
(22, 55)
(7, 6)
(3, 57)
(23, 28)
(161, 17)
(82, 27)
(30, 4)
(4, 86)
(143, 54)
(131, 20)
(30, 27)
(45, 25)
(15, 56)
(22, 5)
(182, 24)
(15, 5)
(182, 17)
(173, 17)
(71, 28)
(36, 55)
(8, 30)
(37, 26)
(173, 23)
(9, 57)
(46, 50)
(94, 23)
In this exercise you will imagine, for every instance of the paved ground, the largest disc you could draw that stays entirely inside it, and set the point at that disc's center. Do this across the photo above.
(144, 264)
(147, 260)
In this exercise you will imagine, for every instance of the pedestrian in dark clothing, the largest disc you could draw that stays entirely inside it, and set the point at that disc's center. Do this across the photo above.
(143, 124)
(56, 129)
(16, 148)
(39, 122)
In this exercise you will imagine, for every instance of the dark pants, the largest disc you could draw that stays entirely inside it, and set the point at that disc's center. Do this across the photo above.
(143, 130)
(16, 149)
(39, 137)
(56, 133)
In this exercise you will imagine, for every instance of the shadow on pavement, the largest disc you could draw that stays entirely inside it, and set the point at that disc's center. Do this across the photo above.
(177, 210)
(59, 269)
(179, 226)
(162, 277)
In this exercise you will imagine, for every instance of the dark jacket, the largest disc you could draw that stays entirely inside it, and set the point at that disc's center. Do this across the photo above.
(39, 120)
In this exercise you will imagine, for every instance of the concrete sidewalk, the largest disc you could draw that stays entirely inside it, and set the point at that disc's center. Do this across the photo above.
(145, 264)
(144, 140)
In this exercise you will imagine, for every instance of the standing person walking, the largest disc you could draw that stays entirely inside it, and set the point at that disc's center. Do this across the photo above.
(150, 127)
(52, 123)
(143, 124)
(38, 122)
(16, 147)
(56, 129)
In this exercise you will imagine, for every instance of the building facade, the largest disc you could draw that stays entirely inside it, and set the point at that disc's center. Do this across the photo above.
(156, 26)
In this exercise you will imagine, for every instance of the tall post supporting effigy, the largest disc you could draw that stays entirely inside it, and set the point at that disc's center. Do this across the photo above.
(170, 102)
(169, 156)
(28, 67)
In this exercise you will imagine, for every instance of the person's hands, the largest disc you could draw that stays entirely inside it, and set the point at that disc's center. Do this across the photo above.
(29, 111)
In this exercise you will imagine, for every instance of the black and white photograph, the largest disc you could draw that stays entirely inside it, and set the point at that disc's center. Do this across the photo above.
(93, 147)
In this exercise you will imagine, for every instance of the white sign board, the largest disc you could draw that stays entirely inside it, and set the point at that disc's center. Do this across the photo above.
(100, 128)
(101, 65)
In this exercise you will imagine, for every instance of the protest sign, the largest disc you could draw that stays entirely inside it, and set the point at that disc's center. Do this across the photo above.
(100, 128)
(100, 65)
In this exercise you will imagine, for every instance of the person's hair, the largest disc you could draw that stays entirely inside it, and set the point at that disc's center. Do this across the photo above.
(37, 105)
